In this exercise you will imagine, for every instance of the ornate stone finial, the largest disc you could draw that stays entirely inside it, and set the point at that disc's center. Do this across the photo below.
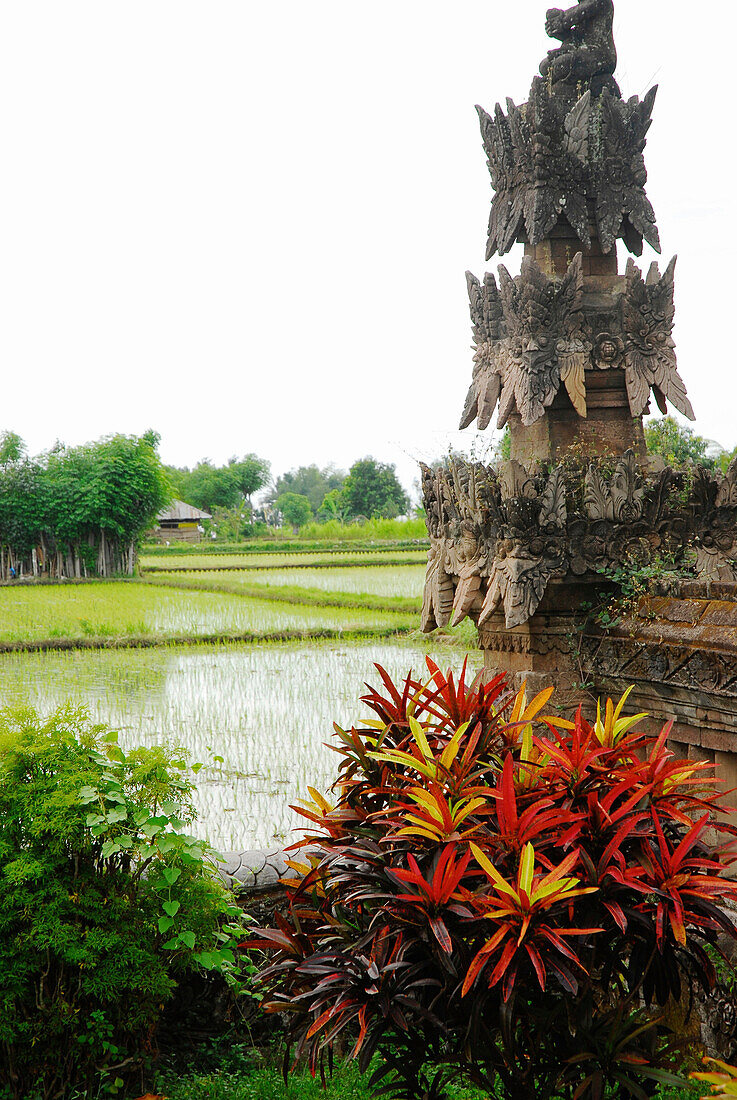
(569, 342)
(575, 149)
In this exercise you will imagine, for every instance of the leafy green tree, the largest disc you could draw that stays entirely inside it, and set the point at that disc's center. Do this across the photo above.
(372, 489)
(210, 487)
(676, 443)
(250, 474)
(311, 482)
(206, 486)
(12, 448)
(22, 507)
(295, 508)
(89, 505)
(726, 459)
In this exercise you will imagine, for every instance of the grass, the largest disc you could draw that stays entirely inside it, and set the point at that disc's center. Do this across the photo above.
(268, 1084)
(125, 611)
(346, 1083)
(292, 594)
(289, 545)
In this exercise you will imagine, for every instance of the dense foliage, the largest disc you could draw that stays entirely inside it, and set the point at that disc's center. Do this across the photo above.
(106, 902)
(680, 445)
(212, 488)
(78, 511)
(311, 482)
(496, 893)
(372, 489)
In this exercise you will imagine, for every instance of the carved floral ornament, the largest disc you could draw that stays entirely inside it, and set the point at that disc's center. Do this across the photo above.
(531, 335)
(498, 536)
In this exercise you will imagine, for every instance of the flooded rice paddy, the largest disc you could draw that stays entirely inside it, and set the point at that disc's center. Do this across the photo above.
(381, 580)
(174, 561)
(266, 710)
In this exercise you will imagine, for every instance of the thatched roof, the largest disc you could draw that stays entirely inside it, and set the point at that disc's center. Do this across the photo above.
(181, 512)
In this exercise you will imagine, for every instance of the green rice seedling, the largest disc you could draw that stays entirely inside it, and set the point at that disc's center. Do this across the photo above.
(232, 583)
(108, 610)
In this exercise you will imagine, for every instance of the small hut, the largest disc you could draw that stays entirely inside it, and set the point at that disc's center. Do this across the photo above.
(181, 522)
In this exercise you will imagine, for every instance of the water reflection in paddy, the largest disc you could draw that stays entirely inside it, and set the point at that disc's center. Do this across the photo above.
(265, 709)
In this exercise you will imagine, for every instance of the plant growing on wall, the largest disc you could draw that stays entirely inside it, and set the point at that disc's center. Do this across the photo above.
(495, 893)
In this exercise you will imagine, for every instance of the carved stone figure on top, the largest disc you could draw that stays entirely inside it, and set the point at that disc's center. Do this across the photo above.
(587, 51)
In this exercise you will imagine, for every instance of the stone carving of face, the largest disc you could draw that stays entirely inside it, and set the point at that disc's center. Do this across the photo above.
(518, 580)
(540, 316)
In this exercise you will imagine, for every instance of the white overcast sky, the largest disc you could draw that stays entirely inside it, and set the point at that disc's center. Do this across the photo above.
(246, 224)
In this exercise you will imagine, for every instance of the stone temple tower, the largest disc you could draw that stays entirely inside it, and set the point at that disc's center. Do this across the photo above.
(571, 350)
(569, 354)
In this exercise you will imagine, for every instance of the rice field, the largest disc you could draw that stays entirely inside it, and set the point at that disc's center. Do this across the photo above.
(187, 561)
(378, 580)
(257, 715)
(123, 609)
(267, 710)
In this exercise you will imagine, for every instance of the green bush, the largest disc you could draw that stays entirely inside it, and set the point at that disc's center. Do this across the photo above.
(106, 902)
(372, 529)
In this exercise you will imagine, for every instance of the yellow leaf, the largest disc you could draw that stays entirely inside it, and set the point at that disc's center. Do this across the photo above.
(520, 700)
(622, 701)
(451, 749)
(419, 735)
(526, 869)
(537, 704)
(462, 814)
(491, 871)
(320, 800)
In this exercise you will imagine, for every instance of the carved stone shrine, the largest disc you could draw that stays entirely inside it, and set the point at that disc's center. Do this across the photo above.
(568, 354)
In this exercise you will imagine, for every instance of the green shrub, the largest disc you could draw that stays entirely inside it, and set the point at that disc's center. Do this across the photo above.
(105, 903)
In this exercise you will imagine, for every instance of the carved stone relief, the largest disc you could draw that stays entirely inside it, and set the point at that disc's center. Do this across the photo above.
(498, 536)
(532, 333)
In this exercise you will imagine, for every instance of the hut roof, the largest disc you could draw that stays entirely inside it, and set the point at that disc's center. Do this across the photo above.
(178, 510)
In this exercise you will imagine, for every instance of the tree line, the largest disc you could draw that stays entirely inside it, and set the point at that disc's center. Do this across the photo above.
(369, 489)
(78, 512)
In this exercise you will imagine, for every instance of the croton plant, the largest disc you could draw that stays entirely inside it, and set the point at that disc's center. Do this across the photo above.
(499, 895)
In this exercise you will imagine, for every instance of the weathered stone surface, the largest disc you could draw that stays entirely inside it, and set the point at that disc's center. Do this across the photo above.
(254, 870)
